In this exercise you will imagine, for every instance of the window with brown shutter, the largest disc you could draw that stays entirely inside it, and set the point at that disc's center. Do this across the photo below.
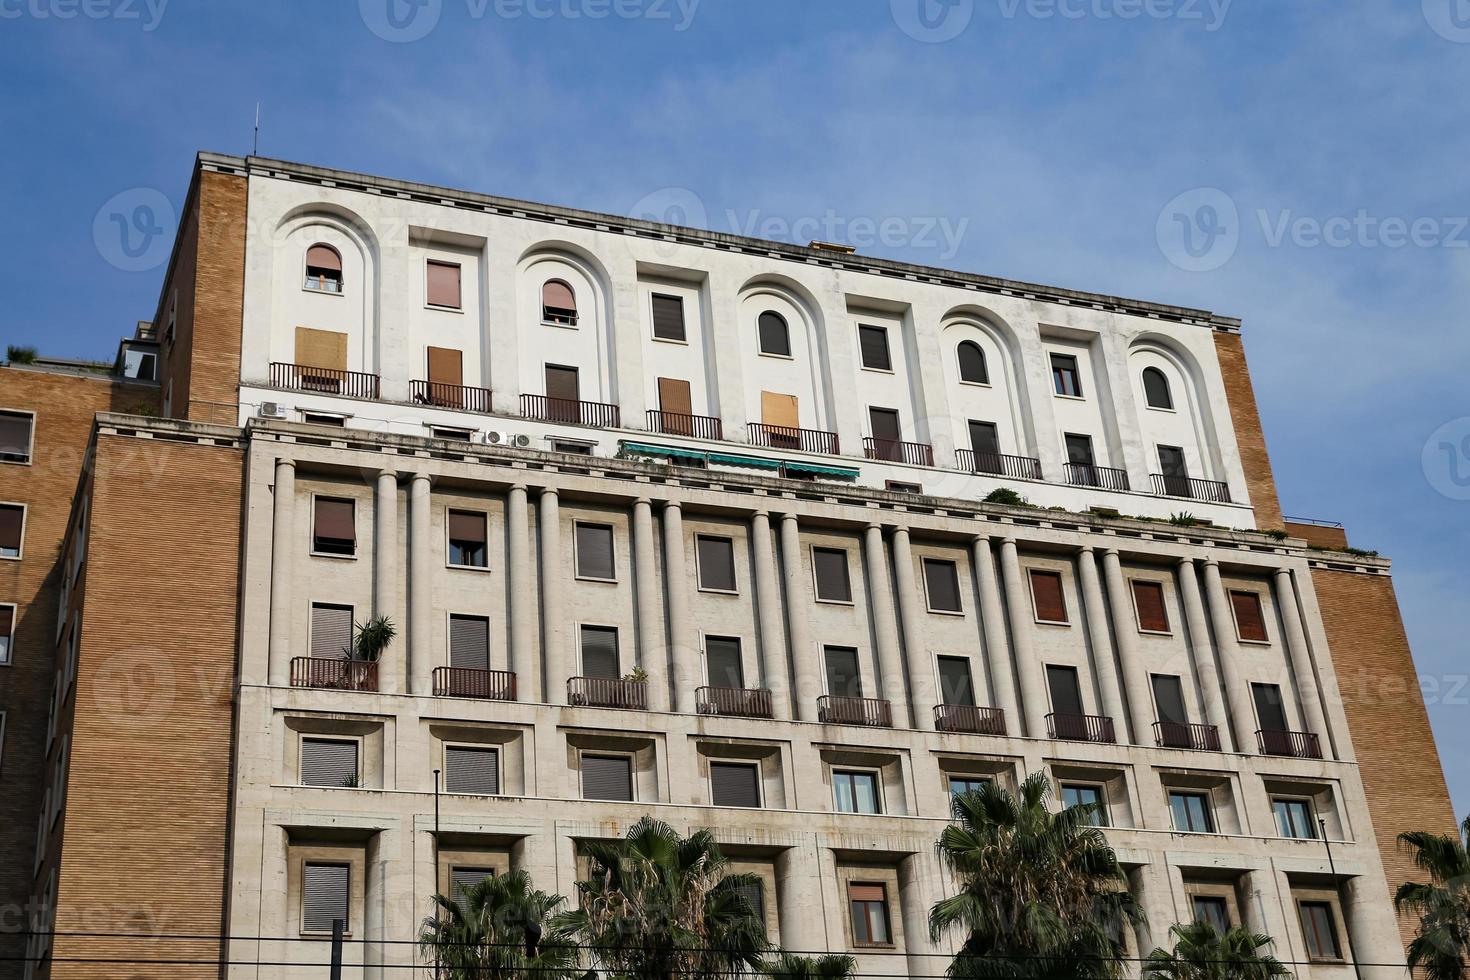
(942, 585)
(869, 910)
(558, 303)
(15, 436)
(467, 539)
(594, 544)
(1046, 596)
(442, 284)
(1250, 621)
(716, 563)
(323, 269)
(829, 566)
(1148, 602)
(873, 345)
(12, 520)
(668, 317)
(333, 531)
(446, 367)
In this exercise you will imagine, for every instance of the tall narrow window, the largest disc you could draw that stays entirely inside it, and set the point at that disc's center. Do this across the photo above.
(844, 679)
(1148, 603)
(942, 586)
(558, 303)
(442, 284)
(1169, 699)
(467, 539)
(855, 791)
(873, 346)
(1319, 928)
(676, 405)
(716, 563)
(594, 544)
(325, 891)
(331, 631)
(1250, 620)
(600, 652)
(887, 433)
(472, 769)
(775, 336)
(735, 784)
(829, 567)
(985, 444)
(723, 665)
(1065, 691)
(12, 524)
(7, 630)
(1270, 710)
(869, 906)
(469, 642)
(607, 777)
(323, 269)
(1156, 389)
(329, 762)
(973, 369)
(1174, 470)
(668, 317)
(15, 436)
(955, 684)
(1047, 598)
(1079, 450)
(1064, 376)
(333, 529)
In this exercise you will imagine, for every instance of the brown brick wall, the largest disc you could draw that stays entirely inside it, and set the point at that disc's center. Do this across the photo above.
(1386, 715)
(1318, 536)
(65, 406)
(1248, 435)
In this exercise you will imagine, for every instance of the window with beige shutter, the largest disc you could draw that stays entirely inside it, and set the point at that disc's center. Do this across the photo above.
(442, 286)
(325, 349)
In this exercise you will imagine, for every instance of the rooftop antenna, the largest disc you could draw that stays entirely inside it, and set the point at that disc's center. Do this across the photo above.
(255, 149)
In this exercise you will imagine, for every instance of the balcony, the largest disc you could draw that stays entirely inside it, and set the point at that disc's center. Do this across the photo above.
(1080, 728)
(737, 702)
(1103, 477)
(1212, 491)
(999, 464)
(571, 411)
(896, 451)
(785, 437)
(870, 712)
(334, 673)
(1297, 745)
(299, 377)
(969, 718)
(471, 682)
(607, 692)
(442, 395)
(1178, 735)
(694, 426)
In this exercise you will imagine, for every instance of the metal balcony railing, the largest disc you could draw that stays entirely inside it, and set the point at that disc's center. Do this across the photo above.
(973, 719)
(897, 451)
(740, 702)
(1080, 728)
(300, 377)
(999, 464)
(571, 411)
(1187, 486)
(442, 395)
(471, 682)
(785, 437)
(1298, 745)
(1092, 475)
(1178, 735)
(872, 712)
(336, 673)
(607, 692)
(694, 426)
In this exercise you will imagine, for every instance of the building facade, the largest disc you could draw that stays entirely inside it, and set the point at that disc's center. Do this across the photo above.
(677, 523)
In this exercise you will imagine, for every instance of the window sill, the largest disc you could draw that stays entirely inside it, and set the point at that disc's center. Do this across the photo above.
(467, 568)
(328, 554)
(322, 292)
(1052, 622)
(976, 384)
(779, 357)
(594, 580)
(879, 370)
(729, 592)
(1254, 643)
(1157, 408)
(555, 323)
(1070, 398)
(947, 612)
(684, 342)
(1155, 632)
(15, 557)
(835, 602)
(444, 309)
(17, 462)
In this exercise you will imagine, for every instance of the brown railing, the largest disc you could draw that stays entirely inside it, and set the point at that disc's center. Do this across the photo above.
(1187, 486)
(1090, 475)
(969, 718)
(742, 702)
(442, 395)
(694, 426)
(334, 672)
(1178, 735)
(299, 377)
(571, 411)
(785, 437)
(999, 464)
(873, 712)
(471, 682)
(1080, 728)
(1300, 745)
(607, 692)
(895, 451)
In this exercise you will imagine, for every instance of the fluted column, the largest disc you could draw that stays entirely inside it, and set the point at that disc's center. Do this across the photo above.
(1102, 643)
(880, 594)
(682, 642)
(555, 656)
(1018, 610)
(652, 652)
(992, 622)
(1262, 894)
(1301, 660)
(519, 582)
(1236, 695)
(420, 593)
(385, 570)
(803, 657)
(1200, 651)
(283, 551)
(1130, 659)
(774, 672)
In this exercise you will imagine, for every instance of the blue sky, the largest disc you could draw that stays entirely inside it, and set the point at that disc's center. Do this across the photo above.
(1048, 140)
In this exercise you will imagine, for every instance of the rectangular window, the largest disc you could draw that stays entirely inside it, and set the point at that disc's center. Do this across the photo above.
(1079, 450)
(1065, 691)
(1064, 377)
(1047, 598)
(607, 777)
(443, 284)
(462, 881)
(902, 486)
(873, 342)
(594, 543)
(844, 679)
(1270, 711)
(12, 529)
(775, 337)
(942, 585)
(331, 631)
(1172, 467)
(451, 433)
(754, 894)
(855, 791)
(1191, 812)
(985, 443)
(716, 563)
(1250, 621)
(563, 390)
(1212, 909)
(329, 762)
(7, 630)
(15, 436)
(600, 652)
(869, 905)
(1087, 794)
(955, 684)
(829, 565)
(333, 529)
(469, 642)
(960, 785)
(472, 769)
(1294, 818)
(1319, 928)
(1169, 699)
(887, 432)
(722, 661)
(1148, 603)
(467, 539)
(325, 889)
(668, 317)
(735, 784)
(324, 418)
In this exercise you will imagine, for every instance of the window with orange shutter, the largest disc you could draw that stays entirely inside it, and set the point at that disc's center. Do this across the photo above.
(1250, 621)
(1148, 602)
(1047, 597)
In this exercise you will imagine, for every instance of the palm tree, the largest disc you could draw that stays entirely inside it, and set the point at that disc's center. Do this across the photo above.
(498, 929)
(1042, 895)
(1441, 947)
(789, 966)
(657, 906)
(1201, 953)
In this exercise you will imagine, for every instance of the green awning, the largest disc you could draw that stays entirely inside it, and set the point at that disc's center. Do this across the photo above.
(755, 462)
(735, 459)
(841, 472)
(678, 452)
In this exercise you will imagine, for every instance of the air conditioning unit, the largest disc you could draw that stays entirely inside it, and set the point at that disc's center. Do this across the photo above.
(273, 410)
(513, 440)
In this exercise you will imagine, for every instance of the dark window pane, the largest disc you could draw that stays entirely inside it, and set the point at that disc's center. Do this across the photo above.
(595, 551)
(723, 662)
(1156, 389)
(775, 338)
(668, 317)
(469, 642)
(972, 363)
(600, 652)
(735, 784)
(716, 558)
(830, 567)
(873, 342)
(468, 769)
(1064, 375)
(1066, 694)
(607, 777)
(1169, 699)
(1270, 712)
(941, 580)
(843, 677)
(955, 686)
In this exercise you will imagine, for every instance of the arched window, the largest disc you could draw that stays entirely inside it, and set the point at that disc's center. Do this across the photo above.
(1156, 389)
(972, 363)
(558, 303)
(323, 269)
(775, 337)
